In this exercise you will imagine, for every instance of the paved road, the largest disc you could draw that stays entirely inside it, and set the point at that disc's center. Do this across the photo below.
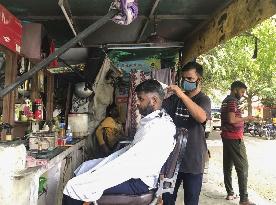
(262, 173)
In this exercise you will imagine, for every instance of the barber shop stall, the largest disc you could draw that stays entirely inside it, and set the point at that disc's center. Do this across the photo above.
(64, 63)
(54, 97)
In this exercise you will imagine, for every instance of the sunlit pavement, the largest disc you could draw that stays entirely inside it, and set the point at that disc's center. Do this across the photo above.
(262, 173)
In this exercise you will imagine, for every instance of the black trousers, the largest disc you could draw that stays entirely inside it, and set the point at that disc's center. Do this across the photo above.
(130, 187)
(192, 184)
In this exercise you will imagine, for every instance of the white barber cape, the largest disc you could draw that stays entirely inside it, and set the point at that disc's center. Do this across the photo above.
(143, 158)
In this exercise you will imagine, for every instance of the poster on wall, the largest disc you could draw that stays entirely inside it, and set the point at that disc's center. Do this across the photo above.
(144, 65)
(122, 95)
(10, 30)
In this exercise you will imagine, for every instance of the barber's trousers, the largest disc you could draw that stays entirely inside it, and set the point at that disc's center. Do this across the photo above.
(234, 154)
(130, 187)
(192, 184)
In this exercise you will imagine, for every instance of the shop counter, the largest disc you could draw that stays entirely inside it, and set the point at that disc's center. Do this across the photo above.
(57, 171)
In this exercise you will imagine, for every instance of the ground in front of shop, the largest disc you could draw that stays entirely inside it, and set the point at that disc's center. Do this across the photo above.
(262, 173)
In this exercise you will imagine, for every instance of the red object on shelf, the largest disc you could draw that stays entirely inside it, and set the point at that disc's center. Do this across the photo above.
(10, 30)
(60, 141)
(38, 109)
(54, 63)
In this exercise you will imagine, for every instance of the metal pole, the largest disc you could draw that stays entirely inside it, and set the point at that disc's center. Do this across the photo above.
(58, 52)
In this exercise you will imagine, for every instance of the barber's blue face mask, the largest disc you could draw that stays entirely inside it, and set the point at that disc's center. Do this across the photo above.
(189, 86)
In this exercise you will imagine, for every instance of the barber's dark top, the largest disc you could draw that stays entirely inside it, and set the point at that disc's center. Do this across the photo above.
(194, 157)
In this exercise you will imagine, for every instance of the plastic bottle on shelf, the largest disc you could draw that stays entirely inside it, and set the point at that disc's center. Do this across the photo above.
(69, 135)
(62, 130)
(61, 135)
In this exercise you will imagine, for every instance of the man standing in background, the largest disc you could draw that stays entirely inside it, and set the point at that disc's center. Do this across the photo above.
(234, 151)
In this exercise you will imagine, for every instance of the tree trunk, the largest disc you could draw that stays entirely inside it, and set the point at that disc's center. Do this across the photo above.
(249, 104)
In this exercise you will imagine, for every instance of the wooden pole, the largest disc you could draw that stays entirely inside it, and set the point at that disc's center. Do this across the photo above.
(68, 103)
(50, 96)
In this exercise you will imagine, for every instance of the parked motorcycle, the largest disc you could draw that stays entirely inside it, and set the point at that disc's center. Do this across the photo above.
(255, 129)
(246, 127)
(269, 131)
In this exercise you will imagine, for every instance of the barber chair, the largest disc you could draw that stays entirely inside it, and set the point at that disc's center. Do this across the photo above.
(167, 178)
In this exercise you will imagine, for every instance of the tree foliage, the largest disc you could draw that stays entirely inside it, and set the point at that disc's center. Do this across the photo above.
(233, 61)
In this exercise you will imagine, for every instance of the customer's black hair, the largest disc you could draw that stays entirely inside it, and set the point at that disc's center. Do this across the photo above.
(193, 65)
(238, 84)
(151, 86)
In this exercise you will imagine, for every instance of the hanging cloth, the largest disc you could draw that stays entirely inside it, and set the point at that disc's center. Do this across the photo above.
(166, 76)
(128, 11)
(162, 75)
(54, 63)
(133, 115)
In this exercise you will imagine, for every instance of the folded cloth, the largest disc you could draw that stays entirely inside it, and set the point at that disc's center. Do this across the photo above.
(128, 11)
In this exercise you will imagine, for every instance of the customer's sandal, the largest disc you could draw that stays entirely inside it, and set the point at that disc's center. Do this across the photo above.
(231, 196)
(247, 203)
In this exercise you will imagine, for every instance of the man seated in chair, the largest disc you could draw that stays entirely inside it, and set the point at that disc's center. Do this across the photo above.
(110, 131)
(133, 170)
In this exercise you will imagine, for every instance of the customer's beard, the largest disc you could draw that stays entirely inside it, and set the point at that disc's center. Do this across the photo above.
(144, 112)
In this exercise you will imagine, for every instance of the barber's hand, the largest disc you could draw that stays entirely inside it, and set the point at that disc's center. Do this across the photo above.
(175, 89)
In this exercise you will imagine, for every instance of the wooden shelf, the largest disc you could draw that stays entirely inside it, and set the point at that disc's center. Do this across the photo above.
(25, 123)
